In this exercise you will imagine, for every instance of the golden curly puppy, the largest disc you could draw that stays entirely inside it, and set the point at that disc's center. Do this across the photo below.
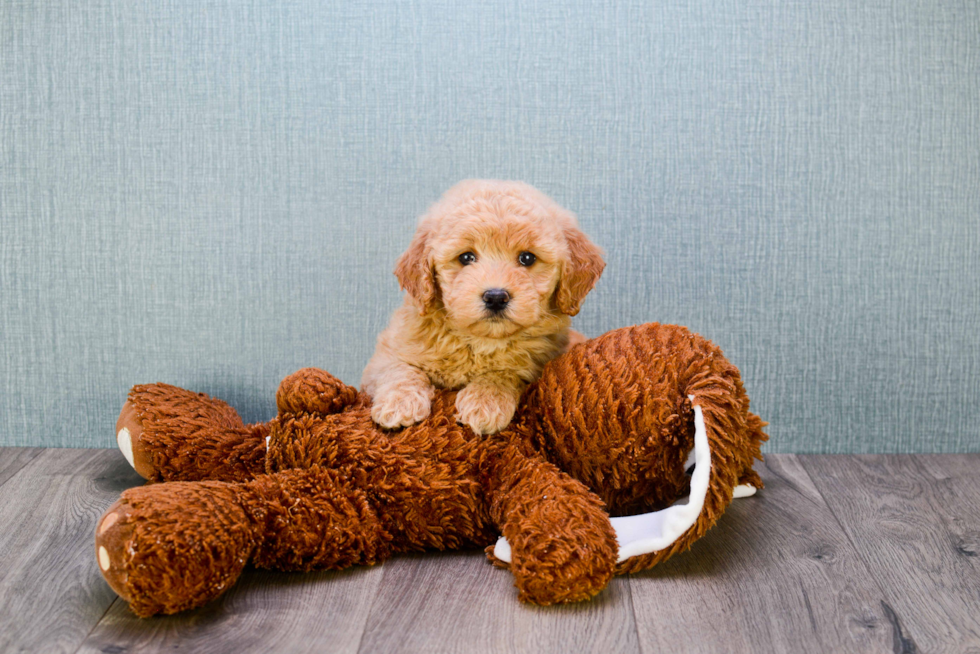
(494, 272)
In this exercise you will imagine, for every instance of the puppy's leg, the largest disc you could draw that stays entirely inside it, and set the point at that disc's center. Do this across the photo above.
(487, 404)
(402, 394)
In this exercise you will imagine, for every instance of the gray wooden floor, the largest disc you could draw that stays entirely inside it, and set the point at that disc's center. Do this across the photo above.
(837, 554)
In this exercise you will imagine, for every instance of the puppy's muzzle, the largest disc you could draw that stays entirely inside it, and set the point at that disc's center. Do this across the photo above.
(496, 299)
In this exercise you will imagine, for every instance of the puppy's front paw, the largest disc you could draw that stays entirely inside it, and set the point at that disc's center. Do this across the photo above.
(486, 409)
(403, 408)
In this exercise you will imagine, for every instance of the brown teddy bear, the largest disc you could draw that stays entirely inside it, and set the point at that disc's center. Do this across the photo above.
(627, 424)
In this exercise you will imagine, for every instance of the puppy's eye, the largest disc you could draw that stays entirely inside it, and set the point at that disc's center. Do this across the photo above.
(467, 258)
(526, 258)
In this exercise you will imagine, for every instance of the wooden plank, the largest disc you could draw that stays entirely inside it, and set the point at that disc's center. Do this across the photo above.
(13, 459)
(915, 520)
(775, 574)
(264, 612)
(51, 591)
(458, 602)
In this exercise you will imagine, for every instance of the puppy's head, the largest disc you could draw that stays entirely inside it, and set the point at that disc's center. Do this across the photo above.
(499, 258)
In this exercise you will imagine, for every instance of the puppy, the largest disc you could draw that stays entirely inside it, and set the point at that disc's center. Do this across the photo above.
(492, 276)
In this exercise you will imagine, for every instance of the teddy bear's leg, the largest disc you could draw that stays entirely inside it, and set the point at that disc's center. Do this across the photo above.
(171, 434)
(312, 390)
(166, 548)
(562, 547)
(169, 547)
(315, 519)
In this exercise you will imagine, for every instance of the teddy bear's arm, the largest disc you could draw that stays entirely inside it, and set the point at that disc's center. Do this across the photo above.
(172, 434)
(563, 548)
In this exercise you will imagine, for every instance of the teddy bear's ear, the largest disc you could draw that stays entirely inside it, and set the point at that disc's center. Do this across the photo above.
(579, 272)
(415, 271)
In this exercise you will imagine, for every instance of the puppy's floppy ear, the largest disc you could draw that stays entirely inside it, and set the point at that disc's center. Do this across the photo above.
(579, 273)
(416, 273)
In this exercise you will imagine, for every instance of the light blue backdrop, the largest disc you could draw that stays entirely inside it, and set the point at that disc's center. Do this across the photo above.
(213, 194)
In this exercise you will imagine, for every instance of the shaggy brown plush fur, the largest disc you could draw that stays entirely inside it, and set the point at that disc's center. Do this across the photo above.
(605, 430)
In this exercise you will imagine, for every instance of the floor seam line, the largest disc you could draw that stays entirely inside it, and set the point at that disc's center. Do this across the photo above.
(97, 623)
(30, 461)
(636, 623)
(374, 600)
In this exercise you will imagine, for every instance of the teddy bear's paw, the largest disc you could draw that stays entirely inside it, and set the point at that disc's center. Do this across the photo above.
(169, 547)
(312, 390)
(129, 430)
(486, 409)
(112, 536)
(401, 409)
(557, 570)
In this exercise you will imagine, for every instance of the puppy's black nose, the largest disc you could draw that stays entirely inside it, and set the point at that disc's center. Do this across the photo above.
(496, 299)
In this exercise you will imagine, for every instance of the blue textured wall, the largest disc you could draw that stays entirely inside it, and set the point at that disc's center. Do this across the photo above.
(213, 194)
